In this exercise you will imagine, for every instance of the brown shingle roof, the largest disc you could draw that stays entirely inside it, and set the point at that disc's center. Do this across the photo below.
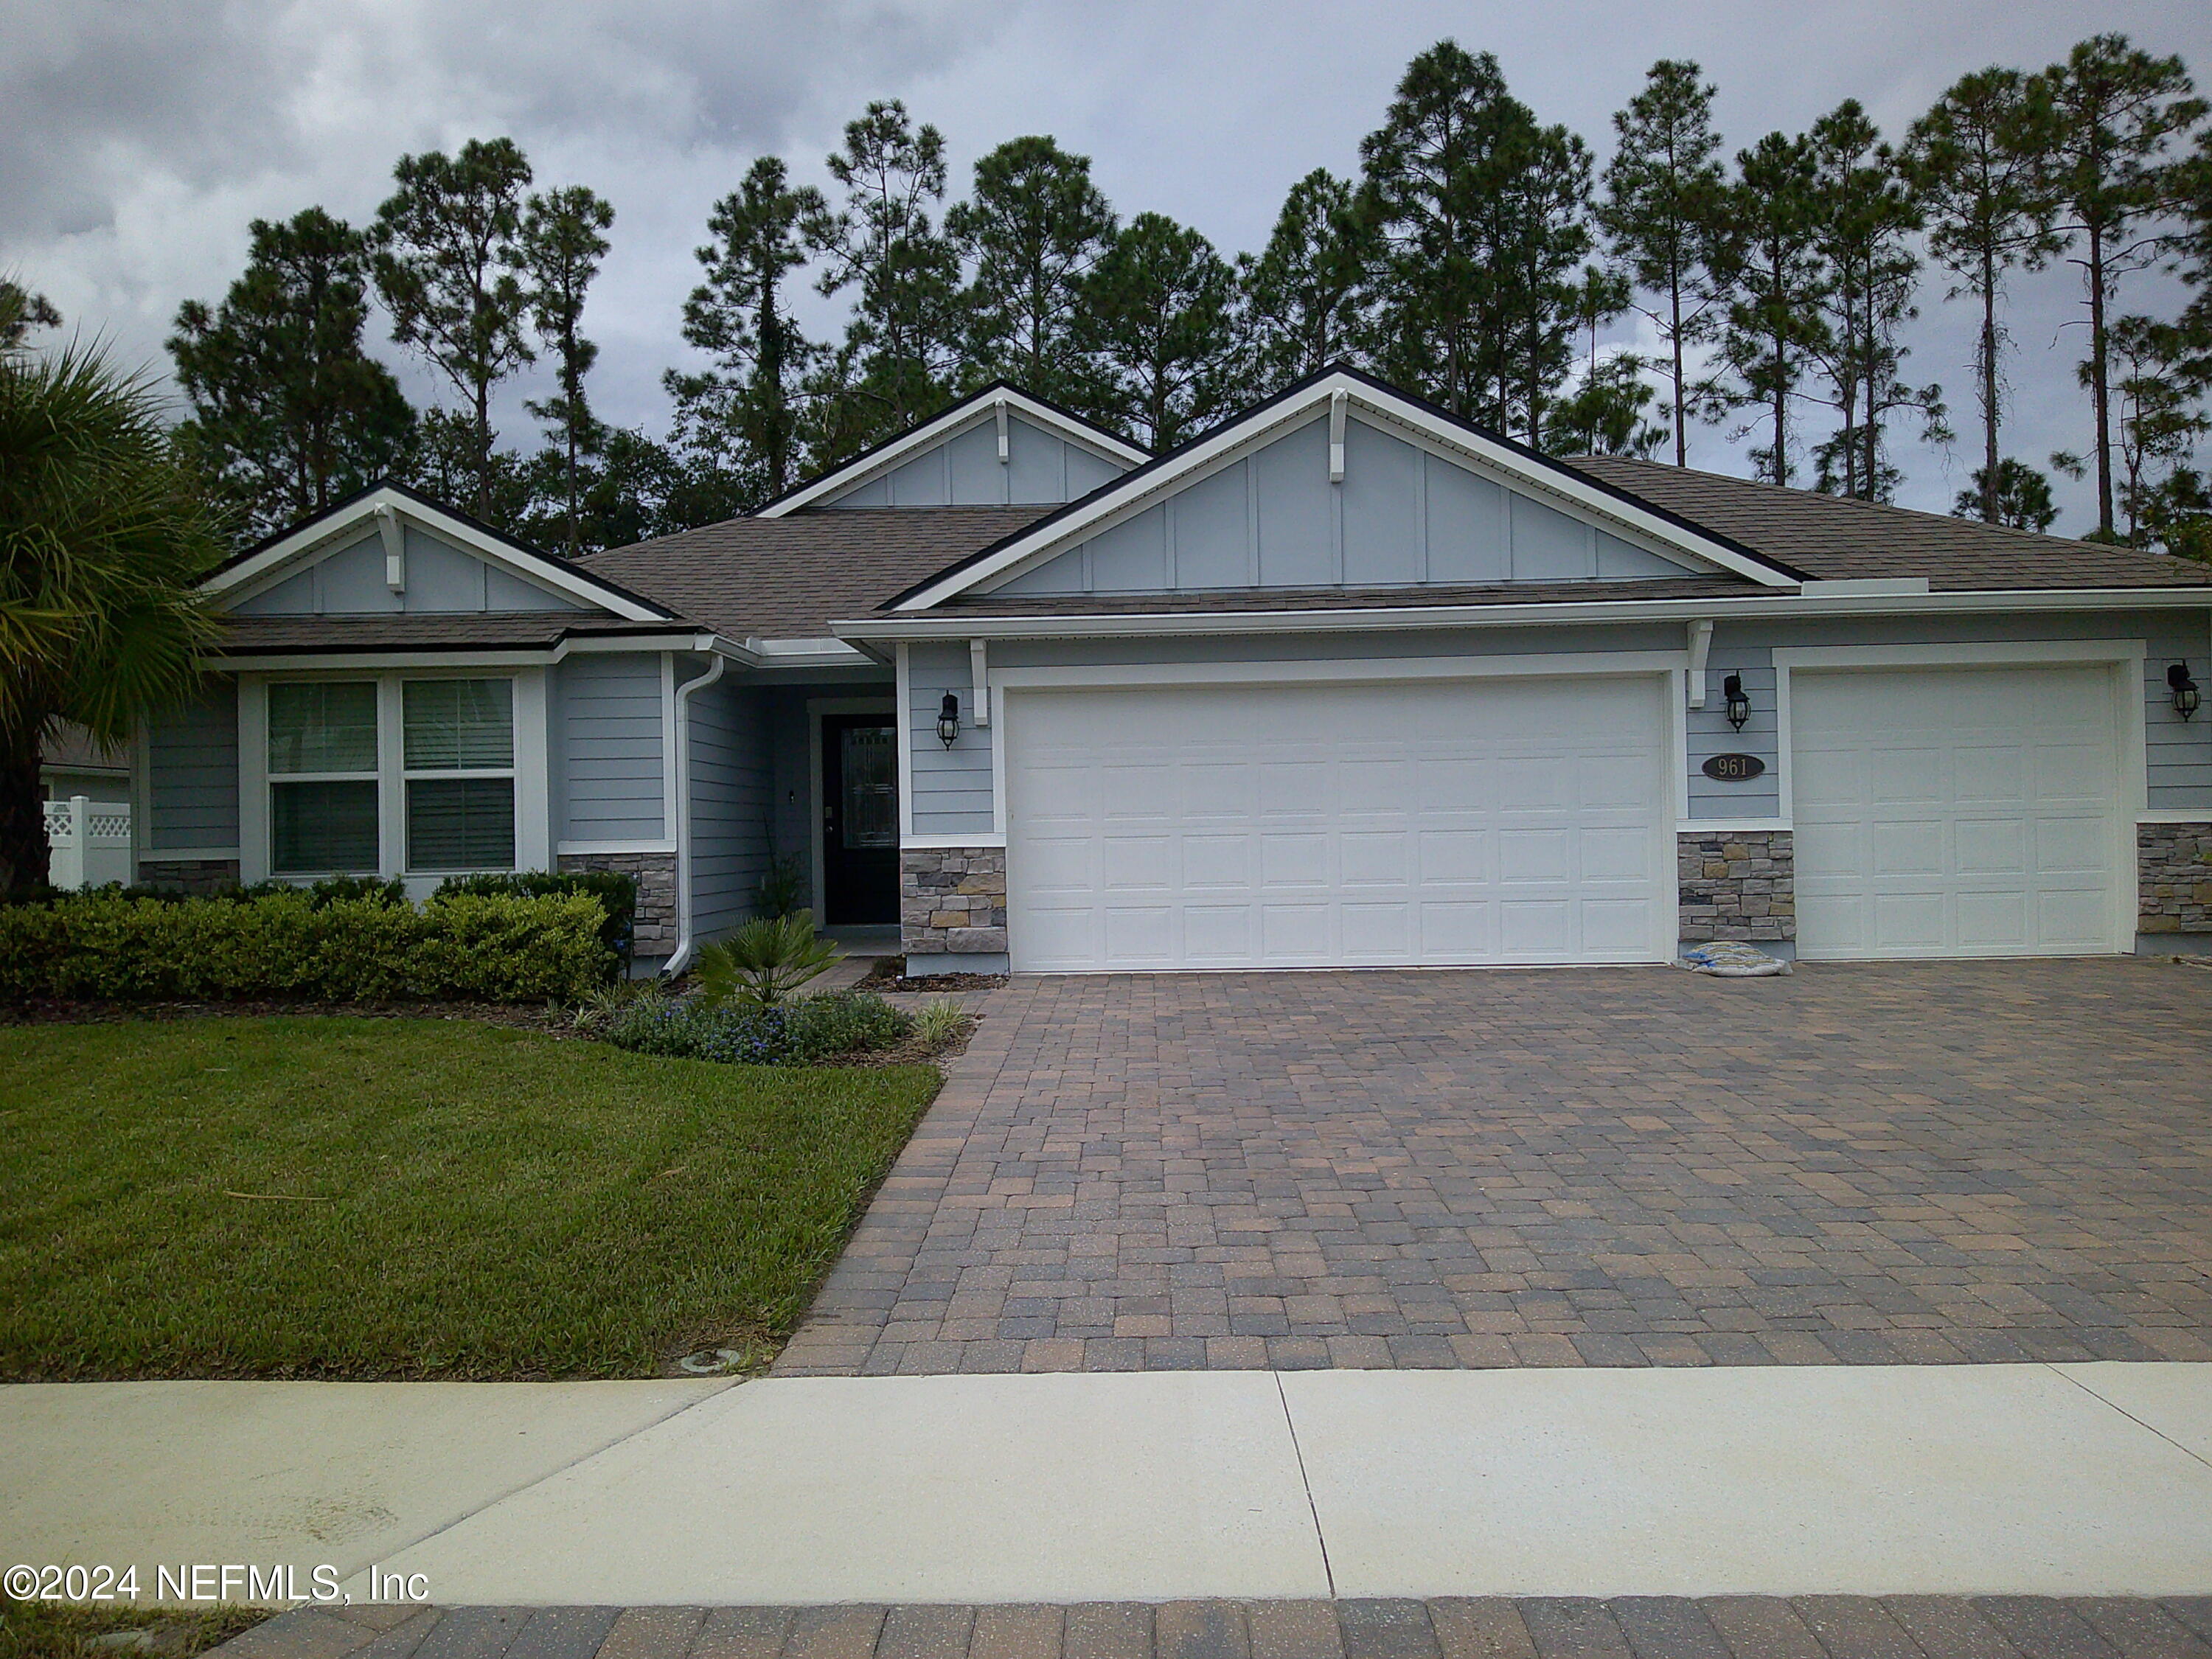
(444, 630)
(1834, 539)
(790, 578)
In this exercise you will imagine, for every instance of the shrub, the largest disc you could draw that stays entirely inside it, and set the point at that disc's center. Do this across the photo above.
(781, 889)
(764, 961)
(461, 945)
(804, 1031)
(940, 1023)
(616, 892)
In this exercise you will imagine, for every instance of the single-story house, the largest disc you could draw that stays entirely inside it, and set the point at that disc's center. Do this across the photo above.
(1343, 682)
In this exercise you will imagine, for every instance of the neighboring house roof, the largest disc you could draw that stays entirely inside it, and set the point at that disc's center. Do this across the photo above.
(879, 459)
(788, 578)
(448, 630)
(1831, 539)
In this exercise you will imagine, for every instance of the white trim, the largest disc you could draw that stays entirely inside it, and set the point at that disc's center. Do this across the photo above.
(185, 854)
(1732, 826)
(979, 680)
(1113, 500)
(538, 570)
(1701, 648)
(999, 825)
(843, 480)
(902, 703)
(606, 848)
(533, 772)
(895, 707)
(1394, 618)
(1560, 664)
(826, 652)
(2175, 815)
(1678, 748)
(488, 656)
(1962, 655)
(941, 843)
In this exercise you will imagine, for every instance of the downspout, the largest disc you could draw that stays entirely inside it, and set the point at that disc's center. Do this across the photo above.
(681, 958)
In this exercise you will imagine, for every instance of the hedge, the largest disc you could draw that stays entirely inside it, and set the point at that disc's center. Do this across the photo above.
(458, 947)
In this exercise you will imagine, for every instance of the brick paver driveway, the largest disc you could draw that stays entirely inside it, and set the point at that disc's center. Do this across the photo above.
(1863, 1163)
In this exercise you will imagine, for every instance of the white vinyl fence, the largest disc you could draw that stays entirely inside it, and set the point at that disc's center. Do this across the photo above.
(88, 845)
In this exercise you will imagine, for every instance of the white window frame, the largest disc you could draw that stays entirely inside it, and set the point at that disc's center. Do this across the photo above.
(533, 836)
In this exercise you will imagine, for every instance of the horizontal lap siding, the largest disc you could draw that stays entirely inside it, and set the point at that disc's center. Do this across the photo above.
(2178, 753)
(609, 749)
(192, 774)
(732, 782)
(1710, 734)
(952, 787)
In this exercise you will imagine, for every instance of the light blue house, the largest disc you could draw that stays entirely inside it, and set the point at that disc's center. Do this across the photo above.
(1344, 681)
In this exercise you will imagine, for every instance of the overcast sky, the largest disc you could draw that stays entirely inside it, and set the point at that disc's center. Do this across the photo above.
(141, 138)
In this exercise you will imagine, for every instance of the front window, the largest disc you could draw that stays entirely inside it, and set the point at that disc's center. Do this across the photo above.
(327, 776)
(322, 778)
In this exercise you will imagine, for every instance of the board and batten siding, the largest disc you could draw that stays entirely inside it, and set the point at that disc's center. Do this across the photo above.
(1402, 517)
(731, 785)
(192, 774)
(440, 578)
(964, 470)
(607, 749)
(951, 787)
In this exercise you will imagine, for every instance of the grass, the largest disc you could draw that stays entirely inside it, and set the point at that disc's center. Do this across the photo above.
(53, 1630)
(405, 1198)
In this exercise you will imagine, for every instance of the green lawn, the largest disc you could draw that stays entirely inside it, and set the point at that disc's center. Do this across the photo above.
(53, 1630)
(321, 1197)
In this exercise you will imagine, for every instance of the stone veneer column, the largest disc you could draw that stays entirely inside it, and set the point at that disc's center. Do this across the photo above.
(192, 875)
(652, 930)
(1741, 885)
(2173, 878)
(952, 902)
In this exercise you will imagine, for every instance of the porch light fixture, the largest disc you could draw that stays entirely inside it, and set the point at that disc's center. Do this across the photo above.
(1739, 705)
(2186, 700)
(948, 719)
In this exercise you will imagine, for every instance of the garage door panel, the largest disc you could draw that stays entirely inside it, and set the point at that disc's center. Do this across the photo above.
(1347, 823)
(1958, 812)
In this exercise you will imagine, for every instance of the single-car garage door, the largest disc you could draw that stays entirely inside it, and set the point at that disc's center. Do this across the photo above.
(1414, 821)
(1957, 812)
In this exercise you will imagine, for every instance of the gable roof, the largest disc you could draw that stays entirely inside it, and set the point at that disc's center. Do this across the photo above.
(1833, 538)
(788, 578)
(883, 458)
(363, 506)
(1379, 401)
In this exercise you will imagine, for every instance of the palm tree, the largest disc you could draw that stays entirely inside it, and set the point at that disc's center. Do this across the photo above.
(103, 533)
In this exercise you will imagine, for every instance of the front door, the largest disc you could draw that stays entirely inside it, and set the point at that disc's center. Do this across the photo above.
(859, 821)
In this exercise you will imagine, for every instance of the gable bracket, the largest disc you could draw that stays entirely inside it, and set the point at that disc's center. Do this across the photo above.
(1340, 403)
(1701, 645)
(394, 536)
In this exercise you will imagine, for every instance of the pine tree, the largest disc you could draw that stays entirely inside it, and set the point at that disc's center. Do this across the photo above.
(289, 412)
(1481, 217)
(1034, 225)
(21, 311)
(447, 251)
(1662, 188)
(2113, 111)
(1159, 320)
(1305, 293)
(908, 312)
(2015, 494)
(1866, 224)
(741, 416)
(561, 248)
(1974, 163)
(1765, 253)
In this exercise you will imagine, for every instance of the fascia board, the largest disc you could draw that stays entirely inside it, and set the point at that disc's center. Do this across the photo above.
(385, 657)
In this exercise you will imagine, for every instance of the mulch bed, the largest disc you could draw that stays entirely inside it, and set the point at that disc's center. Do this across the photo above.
(889, 975)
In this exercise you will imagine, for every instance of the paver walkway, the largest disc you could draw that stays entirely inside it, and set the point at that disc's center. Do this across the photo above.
(1625, 1627)
(1937, 1162)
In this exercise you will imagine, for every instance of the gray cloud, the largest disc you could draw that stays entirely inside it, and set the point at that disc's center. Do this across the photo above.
(140, 139)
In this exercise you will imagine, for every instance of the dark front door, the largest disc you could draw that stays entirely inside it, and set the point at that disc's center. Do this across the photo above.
(859, 821)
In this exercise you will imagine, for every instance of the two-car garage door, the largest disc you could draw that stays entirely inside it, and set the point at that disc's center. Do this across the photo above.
(1403, 823)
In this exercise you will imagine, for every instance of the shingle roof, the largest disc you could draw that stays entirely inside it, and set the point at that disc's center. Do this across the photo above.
(426, 631)
(789, 578)
(1831, 538)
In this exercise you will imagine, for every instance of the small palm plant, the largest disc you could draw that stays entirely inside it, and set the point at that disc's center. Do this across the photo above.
(764, 961)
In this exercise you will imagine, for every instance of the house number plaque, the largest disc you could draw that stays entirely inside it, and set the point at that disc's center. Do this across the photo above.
(1734, 768)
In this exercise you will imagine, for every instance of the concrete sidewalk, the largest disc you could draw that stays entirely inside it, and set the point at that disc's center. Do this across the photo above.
(2089, 1480)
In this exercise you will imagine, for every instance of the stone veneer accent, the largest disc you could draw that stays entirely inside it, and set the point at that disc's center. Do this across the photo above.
(1742, 885)
(193, 875)
(652, 932)
(2173, 878)
(952, 900)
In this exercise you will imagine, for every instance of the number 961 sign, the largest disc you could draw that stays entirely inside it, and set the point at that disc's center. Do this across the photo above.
(1734, 768)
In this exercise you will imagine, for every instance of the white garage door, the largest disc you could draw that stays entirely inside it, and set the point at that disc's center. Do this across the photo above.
(1957, 811)
(1445, 822)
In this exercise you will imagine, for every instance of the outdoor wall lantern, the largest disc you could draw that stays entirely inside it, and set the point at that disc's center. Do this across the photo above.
(2186, 701)
(948, 719)
(1739, 705)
